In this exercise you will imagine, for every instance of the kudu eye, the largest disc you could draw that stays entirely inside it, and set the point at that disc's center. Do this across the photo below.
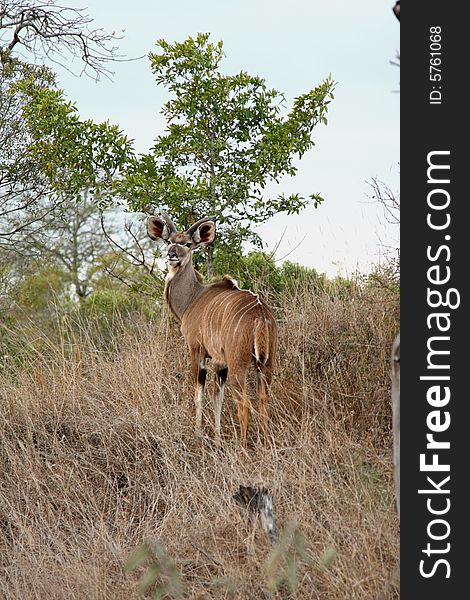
(189, 244)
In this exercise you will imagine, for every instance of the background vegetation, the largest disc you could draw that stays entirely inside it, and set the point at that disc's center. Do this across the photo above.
(99, 455)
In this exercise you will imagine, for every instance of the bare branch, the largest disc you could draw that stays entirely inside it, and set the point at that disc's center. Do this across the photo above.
(284, 256)
(389, 201)
(112, 242)
(128, 283)
(46, 29)
(134, 256)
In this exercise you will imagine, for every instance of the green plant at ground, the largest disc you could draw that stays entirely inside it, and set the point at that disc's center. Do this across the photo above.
(161, 574)
(282, 564)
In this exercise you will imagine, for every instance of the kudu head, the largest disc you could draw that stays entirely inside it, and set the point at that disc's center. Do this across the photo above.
(180, 245)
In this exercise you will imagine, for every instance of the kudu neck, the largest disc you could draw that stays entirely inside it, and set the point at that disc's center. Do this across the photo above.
(182, 288)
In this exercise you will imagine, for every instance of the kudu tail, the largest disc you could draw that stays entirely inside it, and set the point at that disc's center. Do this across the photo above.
(264, 345)
(261, 342)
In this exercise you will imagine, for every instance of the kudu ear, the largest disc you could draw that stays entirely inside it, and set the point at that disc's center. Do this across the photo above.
(157, 229)
(204, 234)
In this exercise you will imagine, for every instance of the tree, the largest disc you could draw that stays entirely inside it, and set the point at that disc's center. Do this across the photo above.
(50, 155)
(46, 30)
(73, 240)
(74, 155)
(226, 140)
(22, 182)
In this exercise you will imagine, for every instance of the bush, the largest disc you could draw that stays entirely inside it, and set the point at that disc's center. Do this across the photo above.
(107, 303)
(41, 286)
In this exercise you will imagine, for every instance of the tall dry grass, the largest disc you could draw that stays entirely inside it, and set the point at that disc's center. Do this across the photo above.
(98, 454)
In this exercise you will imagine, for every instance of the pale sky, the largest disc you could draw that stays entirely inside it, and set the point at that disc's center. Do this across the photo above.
(294, 45)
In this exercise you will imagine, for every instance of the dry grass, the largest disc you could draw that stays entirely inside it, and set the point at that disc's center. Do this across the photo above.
(98, 455)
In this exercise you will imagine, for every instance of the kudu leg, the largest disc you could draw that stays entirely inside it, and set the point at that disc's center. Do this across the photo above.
(239, 391)
(263, 380)
(220, 380)
(198, 367)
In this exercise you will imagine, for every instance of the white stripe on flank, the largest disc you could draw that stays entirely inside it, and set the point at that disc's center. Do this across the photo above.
(213, 320)
(221, 330)
(247, 309)
(213, 310)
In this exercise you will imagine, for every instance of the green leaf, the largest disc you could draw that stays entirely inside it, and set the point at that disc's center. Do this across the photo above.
(138, 558)
(149, 578)
(227, 138)
(328, 557)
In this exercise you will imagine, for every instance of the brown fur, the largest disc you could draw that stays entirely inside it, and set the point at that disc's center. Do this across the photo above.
(228, 325)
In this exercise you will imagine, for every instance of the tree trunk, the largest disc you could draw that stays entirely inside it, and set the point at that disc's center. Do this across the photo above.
(210, 263)
(396, 416)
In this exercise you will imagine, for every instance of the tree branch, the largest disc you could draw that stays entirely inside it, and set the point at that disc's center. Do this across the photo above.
(48, 29)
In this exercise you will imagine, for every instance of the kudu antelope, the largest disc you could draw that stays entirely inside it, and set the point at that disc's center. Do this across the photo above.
(233, 327)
